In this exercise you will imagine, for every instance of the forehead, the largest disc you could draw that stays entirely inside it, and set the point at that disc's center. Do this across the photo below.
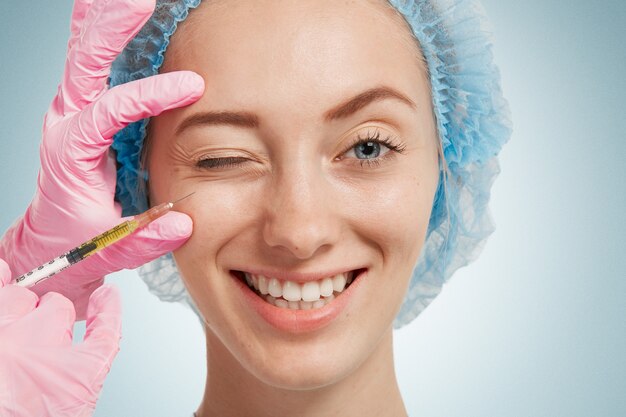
(273, 50)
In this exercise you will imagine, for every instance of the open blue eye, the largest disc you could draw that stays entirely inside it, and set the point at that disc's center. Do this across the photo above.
(371, 148)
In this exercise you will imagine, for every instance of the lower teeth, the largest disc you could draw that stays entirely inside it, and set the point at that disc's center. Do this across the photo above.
(299, 305)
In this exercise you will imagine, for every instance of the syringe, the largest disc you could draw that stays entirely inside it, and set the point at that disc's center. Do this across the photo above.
(94, 245)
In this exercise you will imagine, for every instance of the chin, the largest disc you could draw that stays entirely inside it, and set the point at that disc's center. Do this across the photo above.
(309, 374)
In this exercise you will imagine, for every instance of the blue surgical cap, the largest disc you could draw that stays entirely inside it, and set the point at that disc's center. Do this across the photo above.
(473, 123)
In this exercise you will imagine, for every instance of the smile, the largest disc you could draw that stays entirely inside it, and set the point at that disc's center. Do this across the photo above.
(298, 303)
(293, 295)
(299, 296)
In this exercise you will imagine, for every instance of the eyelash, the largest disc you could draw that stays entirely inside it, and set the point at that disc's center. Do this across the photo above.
(228, 162)
(234, 161)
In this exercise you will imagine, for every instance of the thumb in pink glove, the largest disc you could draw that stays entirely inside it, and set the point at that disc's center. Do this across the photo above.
(74, 200)
(41, 372)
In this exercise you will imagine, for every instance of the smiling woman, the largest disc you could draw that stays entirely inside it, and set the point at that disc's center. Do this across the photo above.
(316, 160)
(314, 173)
(340, 159)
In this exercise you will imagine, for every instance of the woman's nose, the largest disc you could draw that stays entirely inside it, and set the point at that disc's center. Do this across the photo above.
(302, 215)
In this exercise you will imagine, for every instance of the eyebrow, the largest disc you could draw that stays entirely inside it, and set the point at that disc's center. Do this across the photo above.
(251, 120)
(241, 119)
(363, 99)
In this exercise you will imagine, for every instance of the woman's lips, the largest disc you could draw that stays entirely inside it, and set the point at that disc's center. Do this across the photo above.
(299, 321)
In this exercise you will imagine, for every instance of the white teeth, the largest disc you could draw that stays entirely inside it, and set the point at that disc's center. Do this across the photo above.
(339, 282)
(255, 281)
(326, 287)
(274, 288)
(293, 295)
(292, 291)
(263, 285)
(311, 291)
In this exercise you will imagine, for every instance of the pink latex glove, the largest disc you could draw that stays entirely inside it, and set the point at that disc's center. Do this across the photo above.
(76, 184)
(41, 372)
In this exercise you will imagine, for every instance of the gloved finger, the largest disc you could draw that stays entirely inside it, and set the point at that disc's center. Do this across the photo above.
(5, 273)
(92, 134)
(104, 324)
(77, 283)
(79, 11)
(104, 36)
(57, 312)
(155, 240)
(16, 301)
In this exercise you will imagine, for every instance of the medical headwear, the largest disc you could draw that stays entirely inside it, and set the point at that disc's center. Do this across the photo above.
(472, 118)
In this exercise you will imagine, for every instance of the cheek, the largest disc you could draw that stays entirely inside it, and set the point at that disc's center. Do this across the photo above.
(396, 217)
(395, 223)
(221, 217)
(221, 212)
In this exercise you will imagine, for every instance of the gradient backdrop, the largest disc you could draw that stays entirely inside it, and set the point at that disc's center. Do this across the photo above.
(536, 327)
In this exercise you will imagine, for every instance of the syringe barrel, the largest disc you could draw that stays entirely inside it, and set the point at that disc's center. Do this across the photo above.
(94, 245)
(106, 239)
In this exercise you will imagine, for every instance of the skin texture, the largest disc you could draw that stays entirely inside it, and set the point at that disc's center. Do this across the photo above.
(299, 198)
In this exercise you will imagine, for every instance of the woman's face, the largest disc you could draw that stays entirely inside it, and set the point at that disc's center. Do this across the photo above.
(312, 155)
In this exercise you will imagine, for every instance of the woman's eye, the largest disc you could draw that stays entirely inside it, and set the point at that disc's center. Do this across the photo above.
(366, 150)
(371, 150)
(228, 162)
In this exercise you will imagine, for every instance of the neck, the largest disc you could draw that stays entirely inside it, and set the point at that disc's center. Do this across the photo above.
(231, 390)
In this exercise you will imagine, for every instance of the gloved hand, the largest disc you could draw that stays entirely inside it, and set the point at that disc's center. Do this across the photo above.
(76, 184)
(41, 372)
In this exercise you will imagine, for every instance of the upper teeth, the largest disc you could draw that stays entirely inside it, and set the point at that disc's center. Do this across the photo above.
(293, 291)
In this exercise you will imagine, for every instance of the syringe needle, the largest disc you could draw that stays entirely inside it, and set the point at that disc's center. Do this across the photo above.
(147, 217)
(181, 199)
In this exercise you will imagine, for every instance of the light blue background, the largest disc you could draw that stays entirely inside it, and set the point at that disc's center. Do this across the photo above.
(535, 327)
